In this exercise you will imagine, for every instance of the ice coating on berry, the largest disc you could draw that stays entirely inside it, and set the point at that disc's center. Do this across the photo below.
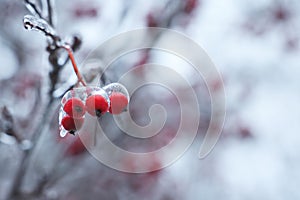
(96, 105)
(118, 96)
(62, 131)
(79, 93)
(97, 102)
(116, 87)
(118, 102)
(74, 107)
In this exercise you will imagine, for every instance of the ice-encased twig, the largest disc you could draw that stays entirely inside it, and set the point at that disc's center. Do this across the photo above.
(38, 24)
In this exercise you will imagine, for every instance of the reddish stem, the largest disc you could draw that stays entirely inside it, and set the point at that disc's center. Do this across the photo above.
(76, 70)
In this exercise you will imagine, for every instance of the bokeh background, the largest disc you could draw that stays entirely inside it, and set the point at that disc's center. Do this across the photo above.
(255, 46)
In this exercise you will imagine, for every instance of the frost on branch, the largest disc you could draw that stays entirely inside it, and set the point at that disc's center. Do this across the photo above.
(38, 24)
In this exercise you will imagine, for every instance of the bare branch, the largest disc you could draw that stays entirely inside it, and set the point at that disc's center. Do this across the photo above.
(7, 124)
(50, 12)
(33, 9)
(76, 70)
(39, 24)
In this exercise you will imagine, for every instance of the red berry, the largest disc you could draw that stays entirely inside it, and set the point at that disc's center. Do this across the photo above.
(151, 20)
(74, 107)
(96, 105)
(72, 124)
(190, 5)
(76, 147)
(118, 102)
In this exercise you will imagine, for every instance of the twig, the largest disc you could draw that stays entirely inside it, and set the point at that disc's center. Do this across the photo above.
(39, 24)
(7, 124)
(32, 8)
(27, 154)
(76, 70)
(50, 12)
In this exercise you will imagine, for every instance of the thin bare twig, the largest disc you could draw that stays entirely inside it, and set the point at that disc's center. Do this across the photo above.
(32, 8)
(39, 24)
(7, 124)
(50, 12)
(21, 172)
(76, 70)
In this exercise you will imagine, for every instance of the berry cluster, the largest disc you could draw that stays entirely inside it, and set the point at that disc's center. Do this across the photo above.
(95, 101)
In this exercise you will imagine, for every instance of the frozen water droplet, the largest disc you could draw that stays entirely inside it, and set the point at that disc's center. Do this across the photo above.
(62, 132)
